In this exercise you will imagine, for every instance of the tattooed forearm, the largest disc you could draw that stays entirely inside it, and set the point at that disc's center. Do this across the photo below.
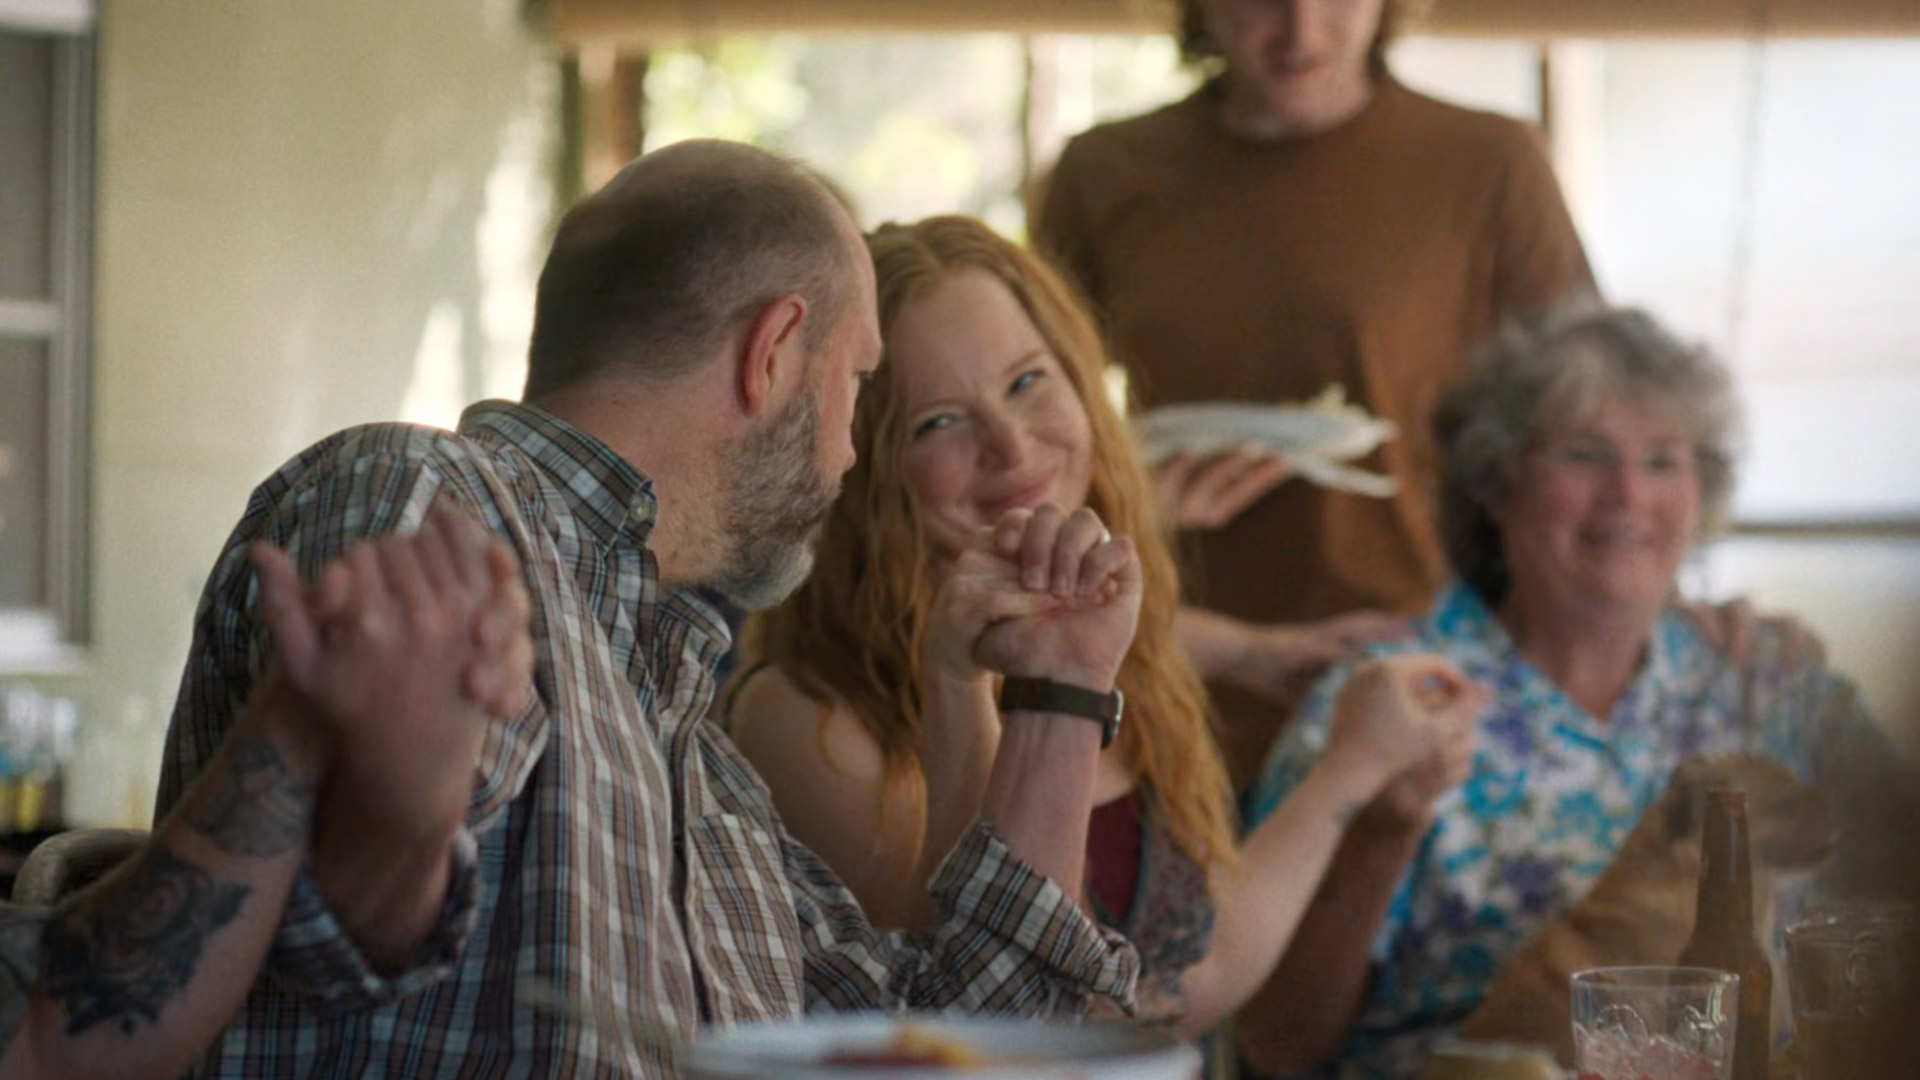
(130, 947)
(255, 805)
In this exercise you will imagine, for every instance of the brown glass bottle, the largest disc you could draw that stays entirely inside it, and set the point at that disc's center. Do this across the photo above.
(1723, 931)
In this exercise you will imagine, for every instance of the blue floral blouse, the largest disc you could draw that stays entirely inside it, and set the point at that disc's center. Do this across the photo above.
(1552, 794)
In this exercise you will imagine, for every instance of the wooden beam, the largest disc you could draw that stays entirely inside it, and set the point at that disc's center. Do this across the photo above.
(631, 25)
(643, 23)
(608, 109)
(1673, 18)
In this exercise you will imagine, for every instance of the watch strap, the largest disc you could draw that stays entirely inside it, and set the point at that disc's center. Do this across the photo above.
(1024, 693)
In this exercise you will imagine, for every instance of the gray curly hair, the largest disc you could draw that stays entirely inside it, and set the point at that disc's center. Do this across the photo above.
(1551, 367)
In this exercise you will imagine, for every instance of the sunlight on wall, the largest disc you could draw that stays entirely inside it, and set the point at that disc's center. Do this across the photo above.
(510, 240)
(339, 222)
(435, 395)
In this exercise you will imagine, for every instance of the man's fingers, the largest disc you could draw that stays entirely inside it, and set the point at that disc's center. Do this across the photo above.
(1010, 532)
(295, 636)
(509, 652)
(509, 592)
(434, 551)
(983, 599)
(497, 689)
(1036, 548)
(363, 587)
(1000, 605)
(1126, 575)
(1078, 536)
(332, 593)
(467, 540)
(404, 579)
(1103, 567)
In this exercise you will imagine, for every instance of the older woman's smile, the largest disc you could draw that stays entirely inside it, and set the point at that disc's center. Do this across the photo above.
(1603, 511)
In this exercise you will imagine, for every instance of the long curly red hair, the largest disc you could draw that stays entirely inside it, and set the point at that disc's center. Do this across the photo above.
(852, 633)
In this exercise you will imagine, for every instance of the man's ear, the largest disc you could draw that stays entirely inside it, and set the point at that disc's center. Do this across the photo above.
(772, 357)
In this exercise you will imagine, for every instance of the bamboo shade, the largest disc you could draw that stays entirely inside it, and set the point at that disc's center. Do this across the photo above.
(643, 23)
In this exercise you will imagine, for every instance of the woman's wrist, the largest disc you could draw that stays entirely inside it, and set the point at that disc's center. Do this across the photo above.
(1384, 819)
(1358, 777)
(1249, 656)
(960, 716)
(943, 680)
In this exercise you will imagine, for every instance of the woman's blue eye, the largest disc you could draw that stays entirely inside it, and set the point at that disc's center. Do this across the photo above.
(1024, 380)
(931, 424)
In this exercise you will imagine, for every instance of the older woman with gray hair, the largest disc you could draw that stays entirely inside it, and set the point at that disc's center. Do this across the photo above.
(1582, 456)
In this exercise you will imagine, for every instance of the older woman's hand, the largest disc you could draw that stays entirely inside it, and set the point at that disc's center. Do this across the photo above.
(1733, 626)
(1413, 716)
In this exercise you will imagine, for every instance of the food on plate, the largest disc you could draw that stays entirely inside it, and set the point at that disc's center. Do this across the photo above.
(911, 1047)
(1320, 437)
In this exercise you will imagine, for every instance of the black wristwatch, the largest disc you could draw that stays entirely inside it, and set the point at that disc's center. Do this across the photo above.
(1019, 692)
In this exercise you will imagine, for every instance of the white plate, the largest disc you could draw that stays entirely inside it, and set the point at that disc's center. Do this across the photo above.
(1044, 1050)
(1318, 438)
(1204, 427)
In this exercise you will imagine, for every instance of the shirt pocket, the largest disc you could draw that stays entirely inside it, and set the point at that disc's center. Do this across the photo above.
(740, 921)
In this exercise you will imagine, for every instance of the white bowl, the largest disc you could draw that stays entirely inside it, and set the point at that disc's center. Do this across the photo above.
(1013, 1049)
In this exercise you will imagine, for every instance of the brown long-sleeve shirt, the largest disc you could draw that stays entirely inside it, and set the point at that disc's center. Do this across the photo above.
(1375, 255)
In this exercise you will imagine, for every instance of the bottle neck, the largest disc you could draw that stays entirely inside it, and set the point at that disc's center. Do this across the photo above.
(1726, 866)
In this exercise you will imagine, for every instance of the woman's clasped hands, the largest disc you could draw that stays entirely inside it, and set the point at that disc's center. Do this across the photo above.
(1042, 593)
(1412, 717)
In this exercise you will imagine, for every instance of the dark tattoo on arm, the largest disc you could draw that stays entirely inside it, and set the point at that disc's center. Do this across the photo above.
(254, 805)
(131, 946)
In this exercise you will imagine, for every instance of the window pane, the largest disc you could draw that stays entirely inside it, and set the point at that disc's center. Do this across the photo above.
(23, 473)
(26, 102)
(1498, 76)
(1762, 198)
(909, 125)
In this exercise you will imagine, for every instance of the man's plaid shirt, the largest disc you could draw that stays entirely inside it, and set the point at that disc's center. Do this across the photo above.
(617, 848)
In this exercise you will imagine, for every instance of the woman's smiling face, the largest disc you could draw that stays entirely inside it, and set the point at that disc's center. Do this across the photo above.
(992, 420)
(1605, 507)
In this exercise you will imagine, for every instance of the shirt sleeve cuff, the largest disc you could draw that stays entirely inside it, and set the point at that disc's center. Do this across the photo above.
(314, 957)
(989, 890)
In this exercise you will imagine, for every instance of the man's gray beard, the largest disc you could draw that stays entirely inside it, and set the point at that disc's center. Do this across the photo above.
(772, 510)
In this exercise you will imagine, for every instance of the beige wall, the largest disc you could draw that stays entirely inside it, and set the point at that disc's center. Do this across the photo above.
(1861, 596)
(310, 215)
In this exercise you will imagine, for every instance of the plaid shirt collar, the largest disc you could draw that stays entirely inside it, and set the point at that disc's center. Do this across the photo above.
(611, 499)
(608, 495)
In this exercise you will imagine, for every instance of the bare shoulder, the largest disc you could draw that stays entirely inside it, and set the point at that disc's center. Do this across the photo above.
(784, 730)
(827, 777)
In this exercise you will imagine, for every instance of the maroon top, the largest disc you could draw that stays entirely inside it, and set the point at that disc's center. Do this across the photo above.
(1113, 857)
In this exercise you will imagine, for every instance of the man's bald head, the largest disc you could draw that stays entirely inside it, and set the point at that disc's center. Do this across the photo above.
(653, 271)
